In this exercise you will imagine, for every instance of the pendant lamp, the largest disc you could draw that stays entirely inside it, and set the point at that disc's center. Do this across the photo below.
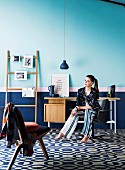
(64, 65)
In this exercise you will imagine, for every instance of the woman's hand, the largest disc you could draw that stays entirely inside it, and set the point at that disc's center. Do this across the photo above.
(73, 112)
(88, 107)
(84, 107)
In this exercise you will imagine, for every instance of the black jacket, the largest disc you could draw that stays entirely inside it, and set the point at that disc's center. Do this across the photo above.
(91, 99)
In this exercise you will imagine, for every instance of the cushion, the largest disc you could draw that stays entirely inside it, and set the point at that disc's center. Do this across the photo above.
(31, 126)
(42, 130)
(2, 136)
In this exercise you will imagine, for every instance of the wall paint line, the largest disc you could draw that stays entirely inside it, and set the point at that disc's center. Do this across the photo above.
(71, 89)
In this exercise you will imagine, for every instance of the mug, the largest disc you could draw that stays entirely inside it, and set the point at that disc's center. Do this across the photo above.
(51, 90)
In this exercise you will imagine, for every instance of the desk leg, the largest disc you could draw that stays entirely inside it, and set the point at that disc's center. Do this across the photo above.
(115, 116)
(48, 124)
(111, 111)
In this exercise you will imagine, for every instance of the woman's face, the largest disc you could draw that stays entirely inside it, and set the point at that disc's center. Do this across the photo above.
(88, 82)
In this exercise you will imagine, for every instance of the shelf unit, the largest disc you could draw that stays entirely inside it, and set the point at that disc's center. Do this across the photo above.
(8, 72)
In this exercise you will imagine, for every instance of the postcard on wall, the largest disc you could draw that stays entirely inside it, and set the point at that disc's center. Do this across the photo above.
(20, 75)
(15, 58)
(28, 61)
(61, 82)
(28, 92)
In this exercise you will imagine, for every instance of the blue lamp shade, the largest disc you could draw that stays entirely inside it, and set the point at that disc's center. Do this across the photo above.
(64, 65)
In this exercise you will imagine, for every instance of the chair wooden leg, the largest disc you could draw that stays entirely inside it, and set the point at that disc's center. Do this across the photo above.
(17, 144)
(43, 148)
(17, 150)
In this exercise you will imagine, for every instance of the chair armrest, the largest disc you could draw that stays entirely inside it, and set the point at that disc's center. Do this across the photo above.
(104, 110)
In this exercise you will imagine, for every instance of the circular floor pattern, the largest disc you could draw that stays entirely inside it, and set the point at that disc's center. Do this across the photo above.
(70, 154)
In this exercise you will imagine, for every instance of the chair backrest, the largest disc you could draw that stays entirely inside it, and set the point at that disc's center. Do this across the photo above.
(104, 104)
(14, 121)
(102, 116)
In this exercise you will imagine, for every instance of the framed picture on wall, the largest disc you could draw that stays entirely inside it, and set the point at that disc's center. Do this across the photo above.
(15, 58)
(28, 92)
(61, 84)
(20, 75)
(28, 61)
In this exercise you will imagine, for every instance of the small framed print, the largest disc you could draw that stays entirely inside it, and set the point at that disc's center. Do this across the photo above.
(28, 61)
(28, 92)
(20, 75)
(15, 58)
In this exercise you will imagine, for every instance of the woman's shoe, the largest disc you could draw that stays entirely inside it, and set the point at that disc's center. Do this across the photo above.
(59, 136)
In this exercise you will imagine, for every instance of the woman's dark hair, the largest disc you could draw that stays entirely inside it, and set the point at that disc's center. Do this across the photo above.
(94, 80)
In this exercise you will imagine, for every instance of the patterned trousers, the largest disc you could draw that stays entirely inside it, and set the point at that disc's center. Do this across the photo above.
(72, 121)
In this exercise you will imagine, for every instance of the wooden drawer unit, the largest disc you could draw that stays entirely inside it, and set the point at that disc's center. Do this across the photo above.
(55, 109)
(54, 113)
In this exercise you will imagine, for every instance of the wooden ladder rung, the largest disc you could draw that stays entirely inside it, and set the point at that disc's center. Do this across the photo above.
(12, 88)
(23, 57)
(27, 73)
(24, 105)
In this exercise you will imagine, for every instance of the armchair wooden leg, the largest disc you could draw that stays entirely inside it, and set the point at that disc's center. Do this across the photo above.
(14, 156)
(43, 148)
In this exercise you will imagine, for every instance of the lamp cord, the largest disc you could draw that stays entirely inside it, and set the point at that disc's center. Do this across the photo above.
(64, 25)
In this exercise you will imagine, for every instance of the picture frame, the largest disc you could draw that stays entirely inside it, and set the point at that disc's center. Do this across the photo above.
(20, 75)
(61, 84)
(28, 92)
(15, 58)
(28, 61)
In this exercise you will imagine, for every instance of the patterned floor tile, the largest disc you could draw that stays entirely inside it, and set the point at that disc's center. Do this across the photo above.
(107, 152)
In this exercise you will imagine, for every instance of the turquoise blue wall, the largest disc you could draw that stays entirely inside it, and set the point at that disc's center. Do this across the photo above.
(95, 38)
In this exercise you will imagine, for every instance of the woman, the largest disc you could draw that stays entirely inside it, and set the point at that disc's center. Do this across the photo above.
(87, 100)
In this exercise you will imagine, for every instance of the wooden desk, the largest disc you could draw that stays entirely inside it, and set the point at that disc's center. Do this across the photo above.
(55, 109)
